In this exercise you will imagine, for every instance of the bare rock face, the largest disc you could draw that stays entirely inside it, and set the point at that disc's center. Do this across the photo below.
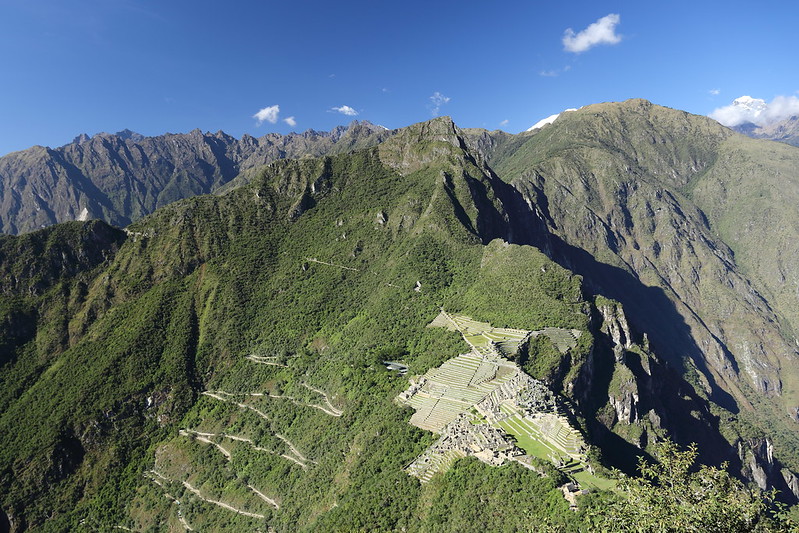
(625, 406)
(614, 324)
(758, 457)
(122, 177)
(791, 481)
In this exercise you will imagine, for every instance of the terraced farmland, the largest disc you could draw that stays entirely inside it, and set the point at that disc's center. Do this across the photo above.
(493, 394)
(563, 339)
(454, 388)
(487, 340)
(484, 339)
(551, 434)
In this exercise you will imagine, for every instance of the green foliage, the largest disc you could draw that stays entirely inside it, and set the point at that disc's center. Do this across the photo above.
(670, 496)
(542, 359)
(518, 286)
(313, 270)
(473, 496)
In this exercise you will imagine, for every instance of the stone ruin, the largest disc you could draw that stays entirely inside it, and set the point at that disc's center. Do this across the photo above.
(466, 436)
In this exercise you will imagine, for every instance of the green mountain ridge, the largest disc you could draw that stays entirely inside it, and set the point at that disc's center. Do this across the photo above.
(229, 349)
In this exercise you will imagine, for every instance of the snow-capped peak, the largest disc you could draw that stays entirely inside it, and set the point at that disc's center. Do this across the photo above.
(743, 110)
(754, 106)
(549, 120)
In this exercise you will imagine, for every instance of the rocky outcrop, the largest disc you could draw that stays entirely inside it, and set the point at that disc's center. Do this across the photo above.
(614, 324)
(791, 481)
(761, 467)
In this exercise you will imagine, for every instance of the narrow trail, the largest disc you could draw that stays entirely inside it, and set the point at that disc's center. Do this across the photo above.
(294, 450)
(294, 460)
(264, 497)
(224, 505)
(253, 409)
(202, 438)
(168, 496)
(314, 260)
(182, 520)
(217, 396)
(228, 397)
(159, 475)
(300, 459)
(333, 410)
(329, 410)
(233, 437)
(265, 360)
(157, 482)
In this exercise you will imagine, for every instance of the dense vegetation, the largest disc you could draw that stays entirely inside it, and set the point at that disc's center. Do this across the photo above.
(673, 496)
(229, 349)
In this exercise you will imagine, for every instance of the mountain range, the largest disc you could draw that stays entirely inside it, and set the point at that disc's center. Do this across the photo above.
(124, 176)
(227, 350)
(786, 130)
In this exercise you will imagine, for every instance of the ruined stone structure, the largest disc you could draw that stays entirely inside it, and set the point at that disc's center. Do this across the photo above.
(475, 401)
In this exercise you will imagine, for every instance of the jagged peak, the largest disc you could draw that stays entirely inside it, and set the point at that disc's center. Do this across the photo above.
(335, 134)
(127, 134)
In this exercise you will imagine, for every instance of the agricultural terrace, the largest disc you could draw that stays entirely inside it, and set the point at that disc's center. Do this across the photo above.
(475, 399)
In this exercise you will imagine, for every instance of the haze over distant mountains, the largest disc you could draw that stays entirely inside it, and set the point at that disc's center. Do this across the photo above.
(786, 130)
(776, 121)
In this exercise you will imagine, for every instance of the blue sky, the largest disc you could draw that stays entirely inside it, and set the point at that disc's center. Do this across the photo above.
(172, 66)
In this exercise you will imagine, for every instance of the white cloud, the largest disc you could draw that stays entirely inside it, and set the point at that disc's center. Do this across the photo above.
(782, 107)
(757, 111)
(555, 72)
(267, 114)
(436, 101)
(715, 92)
(345, 110)
(603, 31)
(290, 121)
(504, 123)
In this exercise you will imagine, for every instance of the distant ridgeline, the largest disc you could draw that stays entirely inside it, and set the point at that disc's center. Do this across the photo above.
(124, 176)
(241, 360)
